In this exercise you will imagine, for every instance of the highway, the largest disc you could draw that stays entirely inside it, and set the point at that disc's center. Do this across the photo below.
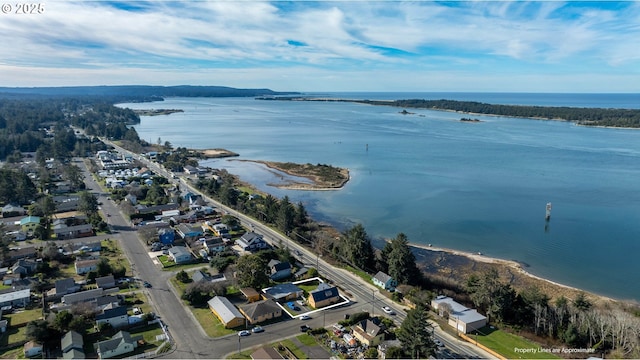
(190, 339)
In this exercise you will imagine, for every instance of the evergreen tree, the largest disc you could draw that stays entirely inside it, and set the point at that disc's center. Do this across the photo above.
(414, 334)
(356, 247)
(402, 261)
(252, 271)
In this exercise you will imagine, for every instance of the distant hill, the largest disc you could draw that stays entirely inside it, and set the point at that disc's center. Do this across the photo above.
(140, 92)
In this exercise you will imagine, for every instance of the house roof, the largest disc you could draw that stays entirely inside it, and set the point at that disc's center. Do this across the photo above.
(468, 316)
(224, 308)
(87, 263)
(455, 306)
(324, 291)
(179, 251)
(63, 285)
(15, 295)
(114, 342)
(71, 340)
(30, 220)
(83, 296)
(249, 292)
(104, 281)
(382, 277)
(266, 353)
(199, 276)
(256, 309)
(282, 290)
(74, 354)
(110, 313)
(368, 328)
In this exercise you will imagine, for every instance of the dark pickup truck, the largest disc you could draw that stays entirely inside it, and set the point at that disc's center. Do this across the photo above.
(304, 328)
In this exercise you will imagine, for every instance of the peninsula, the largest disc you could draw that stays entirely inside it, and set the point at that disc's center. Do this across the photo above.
(156, 112)
(627, 118)
(322, 176)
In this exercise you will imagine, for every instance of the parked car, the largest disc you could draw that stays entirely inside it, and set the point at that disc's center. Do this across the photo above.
(244, 333)
(438, 343)
(304, 328)
(388, 310)
(146, 284)
(257, 329)
(305, 317)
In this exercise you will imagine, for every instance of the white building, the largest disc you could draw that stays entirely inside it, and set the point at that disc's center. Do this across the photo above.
(460, 317)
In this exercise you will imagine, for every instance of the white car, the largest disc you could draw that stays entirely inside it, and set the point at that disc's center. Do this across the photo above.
(244, 333)
(388, 310)
(305, 317)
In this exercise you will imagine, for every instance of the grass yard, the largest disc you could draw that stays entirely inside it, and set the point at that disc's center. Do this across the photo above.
(210, 323)
(149, 333)
(22, 317)
(505, 343)
(299, 354)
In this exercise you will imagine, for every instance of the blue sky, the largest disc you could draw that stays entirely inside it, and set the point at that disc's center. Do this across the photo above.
(358, 45)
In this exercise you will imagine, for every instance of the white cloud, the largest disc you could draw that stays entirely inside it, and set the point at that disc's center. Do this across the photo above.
(167, 40)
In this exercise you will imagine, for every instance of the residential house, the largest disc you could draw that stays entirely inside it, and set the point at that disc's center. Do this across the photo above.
(324, 295)
(66, 286)
(214, 245)
(156, 209)
(70, 232)
(24, 267)
(199, 276)
(114, 315)
(180, 254)
(32, 349)
(166, 236)
(84, 266)
(221, 230)
(10, 210)
(106, 282)
(29, 223)
(226, 312)
(266, 353)
(72, 341)
(83, 296)
(251, 241)
(74, 354)
(20, 253)
(368, 332)
(283, 292)
(250, 294)
(384, 281)
(279, 270)
(187, 231)
(66, 203)
(17, 235)
(261, 311)
(120, 344)
(13, 297)
(460, 317)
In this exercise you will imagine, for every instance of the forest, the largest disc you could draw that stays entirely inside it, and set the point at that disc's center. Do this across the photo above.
(628, 118)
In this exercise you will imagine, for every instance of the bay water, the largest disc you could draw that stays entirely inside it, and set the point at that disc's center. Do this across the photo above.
(478, 187)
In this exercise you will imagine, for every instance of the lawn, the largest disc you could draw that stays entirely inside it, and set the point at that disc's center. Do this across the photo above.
(209, 322)
(22, 317)
(505, 343)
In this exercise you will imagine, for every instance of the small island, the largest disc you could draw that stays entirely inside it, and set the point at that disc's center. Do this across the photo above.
(156, 112)
(322, 176)
(470, 120)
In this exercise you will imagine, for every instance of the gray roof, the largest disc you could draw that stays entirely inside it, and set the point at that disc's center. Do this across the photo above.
(225, 309)
(71, 340)
(382, 277)
(282, 290)
(74, 354)
(111, 313)
(199, 276)
(178, 251)
(83, 296)
(114, 342)
(256, 309)
(468, 316)
(105, 281)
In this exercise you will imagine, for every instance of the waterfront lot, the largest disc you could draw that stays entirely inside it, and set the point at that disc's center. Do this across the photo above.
(509, 345)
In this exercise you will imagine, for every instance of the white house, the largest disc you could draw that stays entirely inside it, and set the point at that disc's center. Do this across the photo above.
(84, 266)
(251, 241)
(32, 349)
(121, 343)
(460, 317)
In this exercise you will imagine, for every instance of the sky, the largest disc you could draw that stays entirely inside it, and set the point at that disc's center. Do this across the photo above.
(357, 45)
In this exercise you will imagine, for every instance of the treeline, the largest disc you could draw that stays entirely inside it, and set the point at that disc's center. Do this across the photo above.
(583, 116)
(42, 125)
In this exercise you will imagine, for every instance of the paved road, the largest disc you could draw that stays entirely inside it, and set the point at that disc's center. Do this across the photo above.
(192, 342)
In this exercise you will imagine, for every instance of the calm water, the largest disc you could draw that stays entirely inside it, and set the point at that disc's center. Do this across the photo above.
(468, 186)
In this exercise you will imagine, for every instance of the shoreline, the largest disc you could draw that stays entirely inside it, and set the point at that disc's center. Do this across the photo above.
(517, 267)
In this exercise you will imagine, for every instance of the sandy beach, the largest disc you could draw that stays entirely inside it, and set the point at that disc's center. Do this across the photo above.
(450, 262)
(317, 184)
